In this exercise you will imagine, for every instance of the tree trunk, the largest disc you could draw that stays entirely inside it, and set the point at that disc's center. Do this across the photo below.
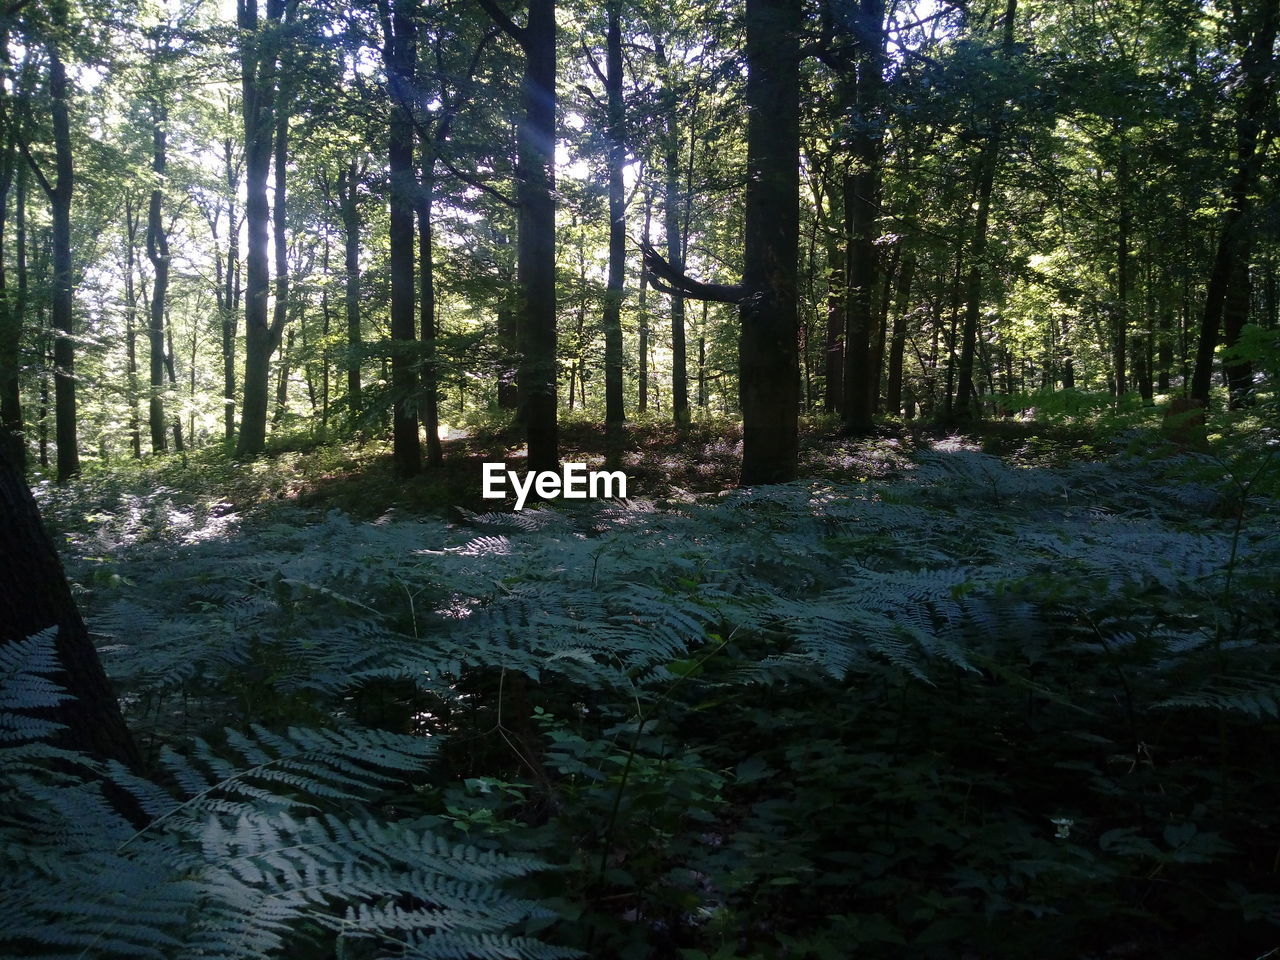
(230, 302)
(427, 313)
(897, 342)
(35, 596)
(158, 254)
(1120, 334)
(348, 190)
(258, 75)
(988, 160)
(615, 411)
(61, 308)
(1258, 68)
(833, 396)
(675, 243)
(130, 324)
(536, 269)
(11, 432)
(1235, 314)
(642, 402)
(400, 37)
(769, 380)
(862, 212)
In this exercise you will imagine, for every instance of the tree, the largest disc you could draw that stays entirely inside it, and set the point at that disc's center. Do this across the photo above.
(258, 61)
(1225, 305)
(399, 24)
(768, 376)
(536, 240)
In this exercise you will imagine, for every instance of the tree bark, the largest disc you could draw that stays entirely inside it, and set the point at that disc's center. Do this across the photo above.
(348, 192)
(769, 376)
(11, 429)
(988, 160)
(258, 76)
(158, 254)
(862, 212)
(615, 410)
(1257, 107)
(536, 254)
(427, 313)
(400, 38)
(61, 307)
(675, 244)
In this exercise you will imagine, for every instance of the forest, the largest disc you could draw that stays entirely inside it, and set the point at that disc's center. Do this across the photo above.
(714, 480)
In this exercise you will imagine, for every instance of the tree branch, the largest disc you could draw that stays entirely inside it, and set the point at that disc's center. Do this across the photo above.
(504, 22)
(677, 284)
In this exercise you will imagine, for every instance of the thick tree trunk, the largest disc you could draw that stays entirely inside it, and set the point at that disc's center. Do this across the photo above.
(400, 56)
(35, 596)
(158, 254)
(258, 75)
(536, 269)
(615, 411)
(769, 380)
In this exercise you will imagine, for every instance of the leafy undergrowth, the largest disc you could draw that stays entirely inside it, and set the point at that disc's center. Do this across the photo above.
(927, 703)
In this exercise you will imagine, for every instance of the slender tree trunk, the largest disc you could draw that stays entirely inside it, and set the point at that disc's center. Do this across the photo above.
(258, 77)
(702, 357)
(230, 301)
(988, 160)
(1235, 314)
(615, 411)
(173, 383)
(837, 295)
(862, 212)
(1120, 333)
(675, 242)
(131, 324)
(642, 402)
(1256, 108)
(769, 380)
(282, 378)
(897, 342)
(158, 254)
(280, 242)
(12, 444)
(427, 313)
(348, 189)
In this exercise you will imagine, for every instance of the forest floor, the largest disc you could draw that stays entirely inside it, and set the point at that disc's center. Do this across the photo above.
(1006, 694)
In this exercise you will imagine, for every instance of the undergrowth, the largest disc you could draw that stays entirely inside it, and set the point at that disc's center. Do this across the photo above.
(929, 703)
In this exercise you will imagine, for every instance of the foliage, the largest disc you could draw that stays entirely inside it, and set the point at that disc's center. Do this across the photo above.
(964, 705)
